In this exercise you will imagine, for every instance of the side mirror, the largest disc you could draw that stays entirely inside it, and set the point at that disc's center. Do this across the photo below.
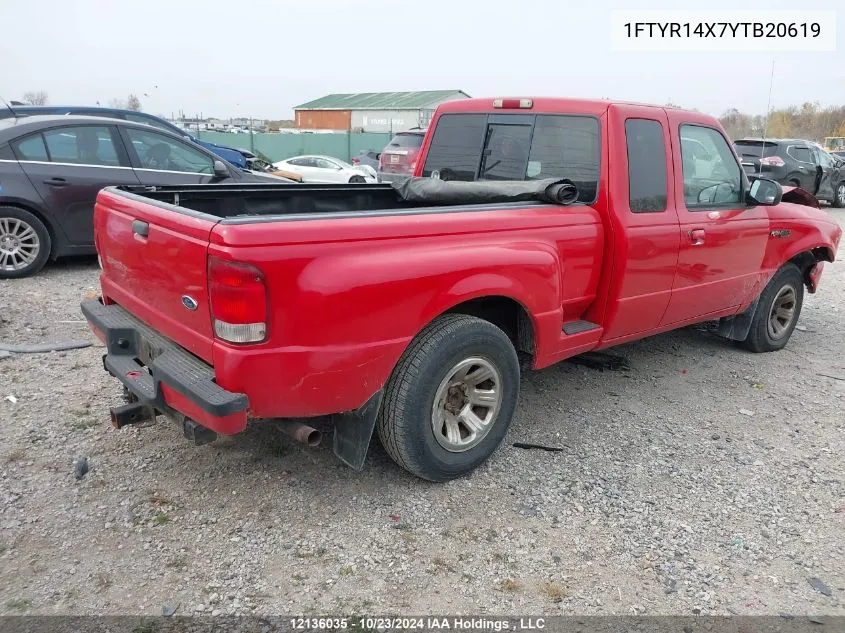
(765, 192)
(220, 170)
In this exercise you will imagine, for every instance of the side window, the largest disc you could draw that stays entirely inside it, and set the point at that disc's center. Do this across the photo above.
(82, 145)
(160, 152)
(455, 149)
(646, 165)
(566, 146)
(30, 148)
(799, 153)
(139, 118)
(711, 173)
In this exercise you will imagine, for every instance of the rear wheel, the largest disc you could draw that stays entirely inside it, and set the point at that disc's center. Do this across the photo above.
(356, 180)
(24, 243)
(839, 195)
(777, 311)
(451, 398)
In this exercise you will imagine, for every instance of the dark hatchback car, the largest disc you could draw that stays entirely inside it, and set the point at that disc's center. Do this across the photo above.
(52, 167)
(239, 158)
(795, 162)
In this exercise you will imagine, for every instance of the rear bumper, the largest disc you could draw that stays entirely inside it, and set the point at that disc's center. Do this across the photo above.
(162, 374)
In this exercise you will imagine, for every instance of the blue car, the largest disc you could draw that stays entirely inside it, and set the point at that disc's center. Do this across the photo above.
(234, 156)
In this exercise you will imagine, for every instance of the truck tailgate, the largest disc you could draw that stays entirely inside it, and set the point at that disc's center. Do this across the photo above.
(154, 265)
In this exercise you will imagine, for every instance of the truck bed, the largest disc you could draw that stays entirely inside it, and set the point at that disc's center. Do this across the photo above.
(246, 203)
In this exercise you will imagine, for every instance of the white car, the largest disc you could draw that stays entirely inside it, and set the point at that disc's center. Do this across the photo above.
(327, 169)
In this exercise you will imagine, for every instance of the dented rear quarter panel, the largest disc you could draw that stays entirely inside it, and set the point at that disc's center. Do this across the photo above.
(348, 295)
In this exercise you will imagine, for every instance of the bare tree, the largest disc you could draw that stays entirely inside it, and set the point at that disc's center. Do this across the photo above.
(132, 102)
(35, 97)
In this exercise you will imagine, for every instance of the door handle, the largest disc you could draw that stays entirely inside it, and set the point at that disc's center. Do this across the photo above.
(140, 228)
(696, 236)
(56, 182)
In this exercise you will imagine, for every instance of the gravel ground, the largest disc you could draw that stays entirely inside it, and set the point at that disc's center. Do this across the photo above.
(703, 479)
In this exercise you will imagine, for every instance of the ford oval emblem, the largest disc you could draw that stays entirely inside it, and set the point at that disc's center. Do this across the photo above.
(189, 302)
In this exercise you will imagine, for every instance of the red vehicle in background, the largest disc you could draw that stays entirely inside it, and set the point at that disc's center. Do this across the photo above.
(411, 309)
(400, 156)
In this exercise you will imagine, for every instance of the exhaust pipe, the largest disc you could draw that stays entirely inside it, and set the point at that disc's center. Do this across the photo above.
(301, 432)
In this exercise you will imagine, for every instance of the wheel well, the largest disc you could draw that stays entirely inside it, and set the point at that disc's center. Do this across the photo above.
(47, 224)
(506, 314)
(807, 259)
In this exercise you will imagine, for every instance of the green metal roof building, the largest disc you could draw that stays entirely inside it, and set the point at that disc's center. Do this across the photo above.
(373, 111)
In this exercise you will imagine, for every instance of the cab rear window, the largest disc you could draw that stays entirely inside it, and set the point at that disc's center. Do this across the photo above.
(472, 147)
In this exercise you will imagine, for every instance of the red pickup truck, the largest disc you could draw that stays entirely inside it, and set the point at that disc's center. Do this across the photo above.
(410, 308)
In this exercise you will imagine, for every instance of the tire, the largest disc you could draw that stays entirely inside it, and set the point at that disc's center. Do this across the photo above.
(452, 346)
(785, 292)
(839, 195)
(24, 243)
(355, 180)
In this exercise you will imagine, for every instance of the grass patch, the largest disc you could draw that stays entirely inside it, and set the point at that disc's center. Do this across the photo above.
(161, 518)
(177, 562)
(404, 526)
(347, 570)
(102, 581)
(87, 423)
(159, 500)
(553, 591)
(298, 577)
(441, 563)
(16, 455)
(19, 604)
(146, 626)
(509, 584)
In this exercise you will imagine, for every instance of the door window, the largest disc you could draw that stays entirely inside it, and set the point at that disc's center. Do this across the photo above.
(801, 154)
(711, 173)
(31, 148)
(160, 152)
(82, 145)
(824, 159)
(646, 165)
(324, 163)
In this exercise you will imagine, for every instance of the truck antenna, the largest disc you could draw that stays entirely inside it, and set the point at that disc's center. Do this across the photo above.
(768, 114)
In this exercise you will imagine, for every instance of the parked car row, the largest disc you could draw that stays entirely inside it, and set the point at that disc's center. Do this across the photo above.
(52, 167)
(796, 163)
(237, 157)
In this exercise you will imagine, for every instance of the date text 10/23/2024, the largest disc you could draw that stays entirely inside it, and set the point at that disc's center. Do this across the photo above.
(428, 623)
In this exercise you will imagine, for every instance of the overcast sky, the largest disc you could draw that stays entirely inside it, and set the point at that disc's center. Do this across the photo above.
(262, 57)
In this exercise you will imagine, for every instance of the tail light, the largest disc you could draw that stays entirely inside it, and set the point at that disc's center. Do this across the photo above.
(356, 160)
(772, 161)
(238, 301)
